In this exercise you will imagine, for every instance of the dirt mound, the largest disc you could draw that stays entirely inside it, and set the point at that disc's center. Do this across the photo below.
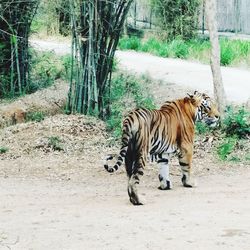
(68, 134)
(50, 101)
(59, 147)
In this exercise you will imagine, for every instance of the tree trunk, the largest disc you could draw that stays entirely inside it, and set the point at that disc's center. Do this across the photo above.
(219, 92)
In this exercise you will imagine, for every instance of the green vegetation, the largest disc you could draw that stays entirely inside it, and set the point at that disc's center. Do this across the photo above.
(236, 131)
(237, 123)
(46, 68)
(55, 143)
(232, 137)
(52, 18)
(127, 92)
(201, 128)
(15, 20)
(178, 18)
(226, 147)
(3, 150)
(176, 48)
(93, 60)
(35, 116)
(233, 52)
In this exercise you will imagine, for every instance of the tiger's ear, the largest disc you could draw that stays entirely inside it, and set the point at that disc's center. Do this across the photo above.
(192, 99)
(205, 96)
(195, 93)
(196, 98)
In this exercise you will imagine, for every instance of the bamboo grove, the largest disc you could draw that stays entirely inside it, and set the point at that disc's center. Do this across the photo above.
(15, 20)
(96, 27)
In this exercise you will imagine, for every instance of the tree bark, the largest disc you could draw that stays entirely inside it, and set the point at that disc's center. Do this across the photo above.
(219, 92)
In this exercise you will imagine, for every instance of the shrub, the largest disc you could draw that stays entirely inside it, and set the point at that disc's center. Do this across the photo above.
(237, 122)
(236, 127)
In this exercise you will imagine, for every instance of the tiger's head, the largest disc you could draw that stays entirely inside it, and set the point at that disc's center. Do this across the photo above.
(206, 109)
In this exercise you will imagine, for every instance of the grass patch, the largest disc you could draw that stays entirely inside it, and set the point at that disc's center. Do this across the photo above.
(179, 49)
(226, 148)
(3, 150)
(55, 143)
(233, 52)
(37, 116)
(132, 43)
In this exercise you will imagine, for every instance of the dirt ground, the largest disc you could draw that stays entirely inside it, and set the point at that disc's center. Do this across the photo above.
(62, 198)
(55, 193)
(94, 213)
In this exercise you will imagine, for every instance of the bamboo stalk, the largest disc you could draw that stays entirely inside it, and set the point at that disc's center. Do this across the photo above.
(97, 26)
(17, 65)
(12, 88)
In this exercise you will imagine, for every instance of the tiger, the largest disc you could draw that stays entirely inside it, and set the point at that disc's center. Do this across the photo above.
(158, 133)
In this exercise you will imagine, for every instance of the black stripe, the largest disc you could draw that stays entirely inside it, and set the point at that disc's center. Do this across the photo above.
(179, 111)
(123, 153)
(120, 158)
(183, 164)
(110, 157)
(162, 160)
(154, 148)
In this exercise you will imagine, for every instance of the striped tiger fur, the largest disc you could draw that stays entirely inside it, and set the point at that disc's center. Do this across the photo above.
(158, 133)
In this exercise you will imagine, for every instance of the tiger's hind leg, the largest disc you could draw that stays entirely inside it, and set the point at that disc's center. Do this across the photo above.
(134, 180)
(185, 161)
(165, 183)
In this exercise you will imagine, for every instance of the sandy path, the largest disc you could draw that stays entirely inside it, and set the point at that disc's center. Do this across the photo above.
(40, 214)
(181, 72)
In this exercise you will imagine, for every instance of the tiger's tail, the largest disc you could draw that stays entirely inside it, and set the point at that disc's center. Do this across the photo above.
(126, 136)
